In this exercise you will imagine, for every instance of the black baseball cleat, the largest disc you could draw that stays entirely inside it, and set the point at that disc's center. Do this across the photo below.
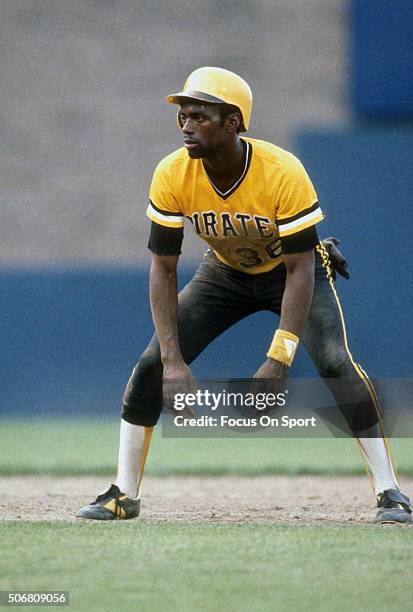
(111, 506)
(393, 507)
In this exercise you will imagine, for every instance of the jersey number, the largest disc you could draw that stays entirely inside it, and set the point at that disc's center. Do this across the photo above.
(253, 258)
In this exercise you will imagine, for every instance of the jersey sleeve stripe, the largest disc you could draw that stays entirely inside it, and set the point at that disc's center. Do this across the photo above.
(302, 213)
(164, 212)
(302, 223)
(164, 218)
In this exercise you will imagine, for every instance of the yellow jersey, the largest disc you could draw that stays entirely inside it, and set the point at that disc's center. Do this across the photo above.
(272, 199)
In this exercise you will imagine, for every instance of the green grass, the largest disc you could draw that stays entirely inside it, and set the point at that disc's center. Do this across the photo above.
(200, 567)
(90, 447)
(144, 566)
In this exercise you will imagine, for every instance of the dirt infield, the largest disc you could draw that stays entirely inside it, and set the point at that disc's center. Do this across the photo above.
(273, 499)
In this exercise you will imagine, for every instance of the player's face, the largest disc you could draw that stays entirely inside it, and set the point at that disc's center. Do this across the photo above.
(202, 129)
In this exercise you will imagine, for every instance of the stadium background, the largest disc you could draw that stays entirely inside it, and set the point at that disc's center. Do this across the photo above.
(83, 125)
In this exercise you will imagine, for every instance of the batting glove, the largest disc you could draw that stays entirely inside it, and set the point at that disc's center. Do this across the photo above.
(338, 262)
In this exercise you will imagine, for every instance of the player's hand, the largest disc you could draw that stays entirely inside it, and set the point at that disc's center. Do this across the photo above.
(177, 378)
(338, 262)
(271, 369)
(271, 377)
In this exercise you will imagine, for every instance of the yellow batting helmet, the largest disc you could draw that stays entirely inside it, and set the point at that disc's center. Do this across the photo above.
(217, 86)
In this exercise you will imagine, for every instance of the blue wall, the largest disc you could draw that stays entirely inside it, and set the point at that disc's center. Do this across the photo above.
(382, 59)
(67, 337)
(364, 181)
(70, 338)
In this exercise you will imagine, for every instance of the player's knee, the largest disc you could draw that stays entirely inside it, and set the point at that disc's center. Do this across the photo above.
(143, 393)
(148, 366)
(335, 362)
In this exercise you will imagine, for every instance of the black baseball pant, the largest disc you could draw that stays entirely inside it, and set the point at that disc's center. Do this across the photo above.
(216, 298)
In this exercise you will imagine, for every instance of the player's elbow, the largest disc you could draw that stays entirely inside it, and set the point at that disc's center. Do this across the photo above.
(300, 266)
(164, 266)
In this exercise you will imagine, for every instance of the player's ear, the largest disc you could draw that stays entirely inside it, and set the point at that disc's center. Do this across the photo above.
(233, 123)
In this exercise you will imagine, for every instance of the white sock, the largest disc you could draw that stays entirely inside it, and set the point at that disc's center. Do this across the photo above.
(133, 449)
(378, 458)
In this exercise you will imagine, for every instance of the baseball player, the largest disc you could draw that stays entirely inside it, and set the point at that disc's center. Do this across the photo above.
(255, 206)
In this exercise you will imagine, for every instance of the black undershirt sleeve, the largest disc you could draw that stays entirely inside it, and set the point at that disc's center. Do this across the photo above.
(165, 240)
(302, 241)
(168, 240)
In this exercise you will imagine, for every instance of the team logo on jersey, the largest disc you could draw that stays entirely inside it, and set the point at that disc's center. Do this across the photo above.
(213, 225)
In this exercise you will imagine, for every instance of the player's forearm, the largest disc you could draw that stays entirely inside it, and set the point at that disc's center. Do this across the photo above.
(297, 296)
(164, 306)
(298, 293)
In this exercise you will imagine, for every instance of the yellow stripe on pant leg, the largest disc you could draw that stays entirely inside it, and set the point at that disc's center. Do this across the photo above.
(376, 404)
(381, 425)
(363, 375)
(324, 255)
(144, 454)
